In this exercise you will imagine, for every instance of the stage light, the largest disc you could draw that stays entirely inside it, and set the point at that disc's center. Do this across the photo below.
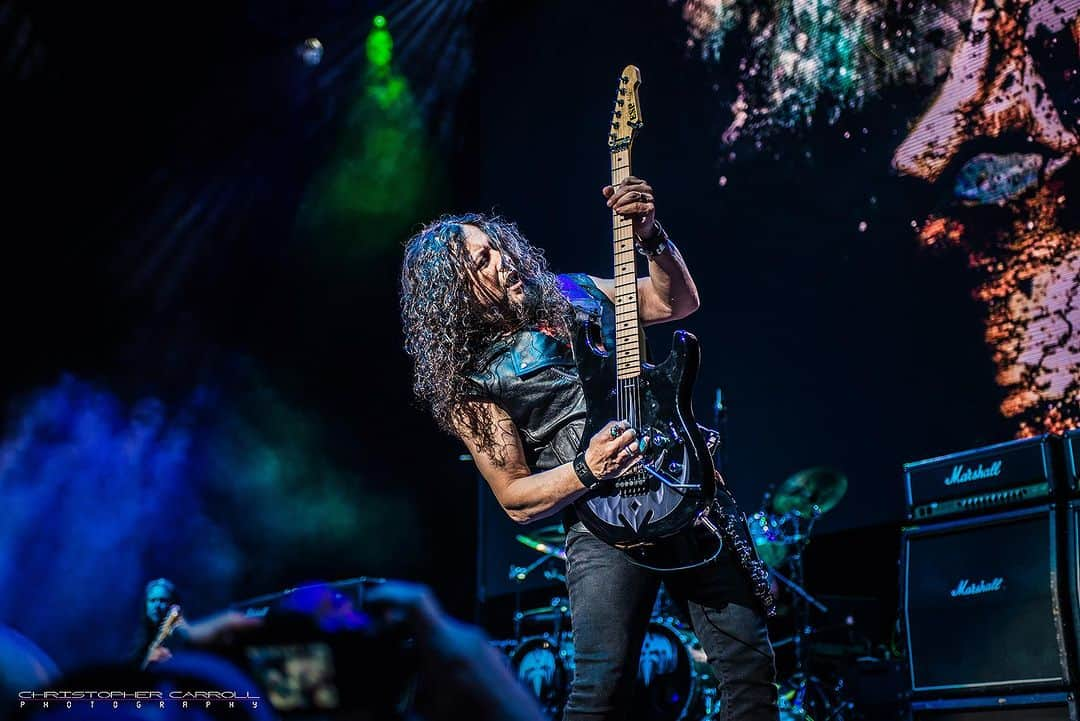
(379, 44)
(310, 51)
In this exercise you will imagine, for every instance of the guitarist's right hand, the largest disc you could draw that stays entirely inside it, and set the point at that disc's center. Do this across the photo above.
(610, 454)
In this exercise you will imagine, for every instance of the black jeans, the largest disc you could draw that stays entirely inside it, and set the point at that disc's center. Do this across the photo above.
(610, 603)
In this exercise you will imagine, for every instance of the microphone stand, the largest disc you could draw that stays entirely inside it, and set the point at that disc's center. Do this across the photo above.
(720, 424)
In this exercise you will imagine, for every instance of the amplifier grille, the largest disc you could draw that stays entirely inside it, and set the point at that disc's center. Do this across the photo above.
(981, 606)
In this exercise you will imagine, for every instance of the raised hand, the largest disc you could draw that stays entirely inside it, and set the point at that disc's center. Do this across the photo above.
(633, 198)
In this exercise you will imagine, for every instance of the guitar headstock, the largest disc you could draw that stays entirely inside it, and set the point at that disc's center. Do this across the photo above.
(172, 618)
(626, 118)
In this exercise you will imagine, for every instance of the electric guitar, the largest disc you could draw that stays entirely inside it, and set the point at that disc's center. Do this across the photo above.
(656, 512)
(170, 622)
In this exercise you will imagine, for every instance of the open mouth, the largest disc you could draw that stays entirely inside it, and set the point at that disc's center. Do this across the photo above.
(513, 280)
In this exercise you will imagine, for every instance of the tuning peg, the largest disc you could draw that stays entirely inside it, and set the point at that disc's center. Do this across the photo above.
(618, 113)
(625, 78)
(620, 102)
(622, 91)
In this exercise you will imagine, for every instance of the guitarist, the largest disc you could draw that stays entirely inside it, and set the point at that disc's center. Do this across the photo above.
(488, 327)
(161, 595)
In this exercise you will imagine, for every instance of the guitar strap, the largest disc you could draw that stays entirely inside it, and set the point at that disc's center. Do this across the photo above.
(732, 526)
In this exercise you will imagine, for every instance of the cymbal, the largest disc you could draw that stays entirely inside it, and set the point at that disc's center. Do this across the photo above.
(552, 535)
(547, 541)
(820, 486)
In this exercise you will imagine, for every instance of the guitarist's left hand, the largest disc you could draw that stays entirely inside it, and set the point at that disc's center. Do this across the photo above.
(633, 198)
(159, 655)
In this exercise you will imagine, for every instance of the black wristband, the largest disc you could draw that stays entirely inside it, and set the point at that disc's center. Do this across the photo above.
(584, 473)
(654, 246)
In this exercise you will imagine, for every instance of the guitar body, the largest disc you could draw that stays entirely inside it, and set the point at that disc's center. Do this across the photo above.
(656, 525)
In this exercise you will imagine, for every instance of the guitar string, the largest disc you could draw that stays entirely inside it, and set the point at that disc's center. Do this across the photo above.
(628, 390)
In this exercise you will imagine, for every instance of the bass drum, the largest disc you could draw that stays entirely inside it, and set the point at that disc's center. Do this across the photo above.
(541, 666)
(675, 681)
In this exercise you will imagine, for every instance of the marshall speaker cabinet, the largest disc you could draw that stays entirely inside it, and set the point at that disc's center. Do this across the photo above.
(982, 480)
(981, 605)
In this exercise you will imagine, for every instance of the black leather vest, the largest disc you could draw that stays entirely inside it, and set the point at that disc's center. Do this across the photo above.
(533, 377)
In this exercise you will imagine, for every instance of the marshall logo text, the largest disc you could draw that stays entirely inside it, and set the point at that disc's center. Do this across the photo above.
(967, 588)
(966, 475)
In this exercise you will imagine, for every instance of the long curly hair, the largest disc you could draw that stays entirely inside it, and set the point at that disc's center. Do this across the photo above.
(450, 330)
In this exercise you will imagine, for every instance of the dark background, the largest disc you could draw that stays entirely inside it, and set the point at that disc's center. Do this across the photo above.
(833, 346)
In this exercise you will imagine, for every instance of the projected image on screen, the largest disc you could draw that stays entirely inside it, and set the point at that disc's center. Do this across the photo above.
(995, 127)
(997, 135)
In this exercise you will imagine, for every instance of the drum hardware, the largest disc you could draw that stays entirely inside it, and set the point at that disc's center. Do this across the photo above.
(552, 575)
(799, 590)
(557, 613)
(674, 680)
(781, 530)
(520, 573)
(806, 698)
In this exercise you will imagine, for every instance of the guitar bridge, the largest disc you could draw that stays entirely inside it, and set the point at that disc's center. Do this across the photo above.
(632, 484)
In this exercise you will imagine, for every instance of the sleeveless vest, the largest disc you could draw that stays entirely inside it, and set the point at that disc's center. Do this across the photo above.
(533, 377)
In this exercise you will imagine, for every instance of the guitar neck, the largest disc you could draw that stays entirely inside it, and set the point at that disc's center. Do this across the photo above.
(627, 341)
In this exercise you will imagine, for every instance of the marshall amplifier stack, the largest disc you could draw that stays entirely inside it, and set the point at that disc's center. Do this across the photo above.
(1006, 474)
(989, 582)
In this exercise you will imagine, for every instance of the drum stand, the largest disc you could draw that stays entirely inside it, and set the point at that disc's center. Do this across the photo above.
(802, 691)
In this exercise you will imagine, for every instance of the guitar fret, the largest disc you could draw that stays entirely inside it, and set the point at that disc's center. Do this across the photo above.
(627, 339)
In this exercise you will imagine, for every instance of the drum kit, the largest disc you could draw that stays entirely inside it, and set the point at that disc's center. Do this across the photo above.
(674, 680)
(781, 530)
